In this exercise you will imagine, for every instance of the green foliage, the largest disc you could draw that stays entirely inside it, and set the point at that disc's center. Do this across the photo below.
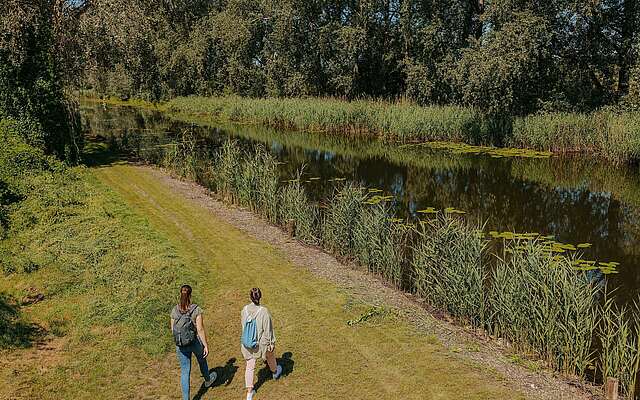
(619, 336)
(505, 75)
(31, 79)
(503, 56)
(449, 266)
(296, 208)
(379, 243)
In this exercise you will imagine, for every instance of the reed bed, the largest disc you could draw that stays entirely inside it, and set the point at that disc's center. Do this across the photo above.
(619, 336)
(607, 134)
(532, 298)
(541, 304)
(449, 266)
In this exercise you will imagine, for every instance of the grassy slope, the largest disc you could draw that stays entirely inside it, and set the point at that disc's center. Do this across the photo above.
(381, 359)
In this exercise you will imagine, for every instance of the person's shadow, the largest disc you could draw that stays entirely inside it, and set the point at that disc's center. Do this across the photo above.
(265, 374)
(225, 377)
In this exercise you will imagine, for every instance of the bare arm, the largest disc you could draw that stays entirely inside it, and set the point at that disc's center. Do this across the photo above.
(172, 324)
(201, 334)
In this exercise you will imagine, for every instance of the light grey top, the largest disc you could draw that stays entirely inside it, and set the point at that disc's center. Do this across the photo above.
(264, 328)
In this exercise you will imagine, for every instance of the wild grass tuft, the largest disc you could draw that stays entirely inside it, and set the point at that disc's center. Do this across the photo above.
(341, 217)
(296, 208)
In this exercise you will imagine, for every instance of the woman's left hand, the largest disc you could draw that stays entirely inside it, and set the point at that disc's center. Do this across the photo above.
(205, 352)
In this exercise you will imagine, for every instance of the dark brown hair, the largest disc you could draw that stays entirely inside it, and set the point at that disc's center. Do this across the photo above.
(255, 294)
(185, 297)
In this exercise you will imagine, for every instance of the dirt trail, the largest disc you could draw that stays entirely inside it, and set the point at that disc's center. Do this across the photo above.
(405, 354)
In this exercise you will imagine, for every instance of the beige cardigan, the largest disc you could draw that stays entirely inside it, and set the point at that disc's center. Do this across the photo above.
(264, 326)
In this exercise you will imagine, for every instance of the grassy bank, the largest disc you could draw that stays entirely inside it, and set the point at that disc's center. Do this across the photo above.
(548, 307)
(86, 283)
(615, 137)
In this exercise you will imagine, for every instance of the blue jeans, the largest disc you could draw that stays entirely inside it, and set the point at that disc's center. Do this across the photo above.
(184, 357)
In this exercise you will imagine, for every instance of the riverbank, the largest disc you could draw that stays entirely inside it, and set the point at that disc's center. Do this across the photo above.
(104, 250)
(605, 134)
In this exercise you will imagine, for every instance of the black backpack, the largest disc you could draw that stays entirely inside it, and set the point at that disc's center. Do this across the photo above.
(184, 331)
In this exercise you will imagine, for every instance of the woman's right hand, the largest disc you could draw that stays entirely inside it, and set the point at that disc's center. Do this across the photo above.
(205, 352)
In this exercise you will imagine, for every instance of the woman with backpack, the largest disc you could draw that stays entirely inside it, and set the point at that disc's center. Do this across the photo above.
(258, 339)
(187, 327)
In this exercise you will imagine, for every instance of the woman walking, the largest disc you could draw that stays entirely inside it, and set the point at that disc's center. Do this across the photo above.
(187, 327)
(258, 339)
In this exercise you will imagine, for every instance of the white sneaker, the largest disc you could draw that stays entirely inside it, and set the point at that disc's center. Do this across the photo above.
(278, 372)
(250, 395)
(212, 378)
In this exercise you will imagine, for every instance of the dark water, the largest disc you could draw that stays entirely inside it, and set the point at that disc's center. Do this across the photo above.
(577, 200)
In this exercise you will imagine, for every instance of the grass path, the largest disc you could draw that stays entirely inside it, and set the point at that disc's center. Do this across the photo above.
(381, 359)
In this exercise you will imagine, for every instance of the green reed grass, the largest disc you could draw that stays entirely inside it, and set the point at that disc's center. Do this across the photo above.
(619, 336)
(296, 208)
(449, 268)
(610, 135)
(541, 304)
(341, 217)
(379, 243)
(403, 121)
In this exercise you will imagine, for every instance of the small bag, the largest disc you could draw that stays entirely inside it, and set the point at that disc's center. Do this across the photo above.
(250, 332)
(184, 331)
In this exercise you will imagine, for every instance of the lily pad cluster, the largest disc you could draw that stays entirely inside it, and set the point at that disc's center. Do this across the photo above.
(495, 152)
(560, 250)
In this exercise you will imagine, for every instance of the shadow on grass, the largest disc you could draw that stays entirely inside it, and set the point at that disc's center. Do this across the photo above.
(265, 374)
(15, 332)
(96, 153)
(225, 377)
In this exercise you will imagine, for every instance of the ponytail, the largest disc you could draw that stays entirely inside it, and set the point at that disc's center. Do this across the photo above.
(185, 298)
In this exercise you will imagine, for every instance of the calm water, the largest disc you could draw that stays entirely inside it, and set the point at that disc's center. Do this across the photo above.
(577, 200)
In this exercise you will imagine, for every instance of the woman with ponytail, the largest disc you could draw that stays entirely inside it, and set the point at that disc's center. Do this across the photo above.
(187, 327)
(265, 340)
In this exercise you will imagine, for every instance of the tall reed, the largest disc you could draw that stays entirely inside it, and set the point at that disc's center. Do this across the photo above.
(341, 218)
(540, 303)
(296, 208)
(449, 266)
(605, 133)
(619, 336)
(379, 243)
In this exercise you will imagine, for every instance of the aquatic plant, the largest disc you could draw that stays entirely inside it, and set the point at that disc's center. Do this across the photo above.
(541, 304)
(341, 216)
(379, 243)
(449, 266)
(619, 336)
(295, 208)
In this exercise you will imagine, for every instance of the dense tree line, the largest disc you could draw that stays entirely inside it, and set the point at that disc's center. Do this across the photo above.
(35, 57)
(514, 56)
